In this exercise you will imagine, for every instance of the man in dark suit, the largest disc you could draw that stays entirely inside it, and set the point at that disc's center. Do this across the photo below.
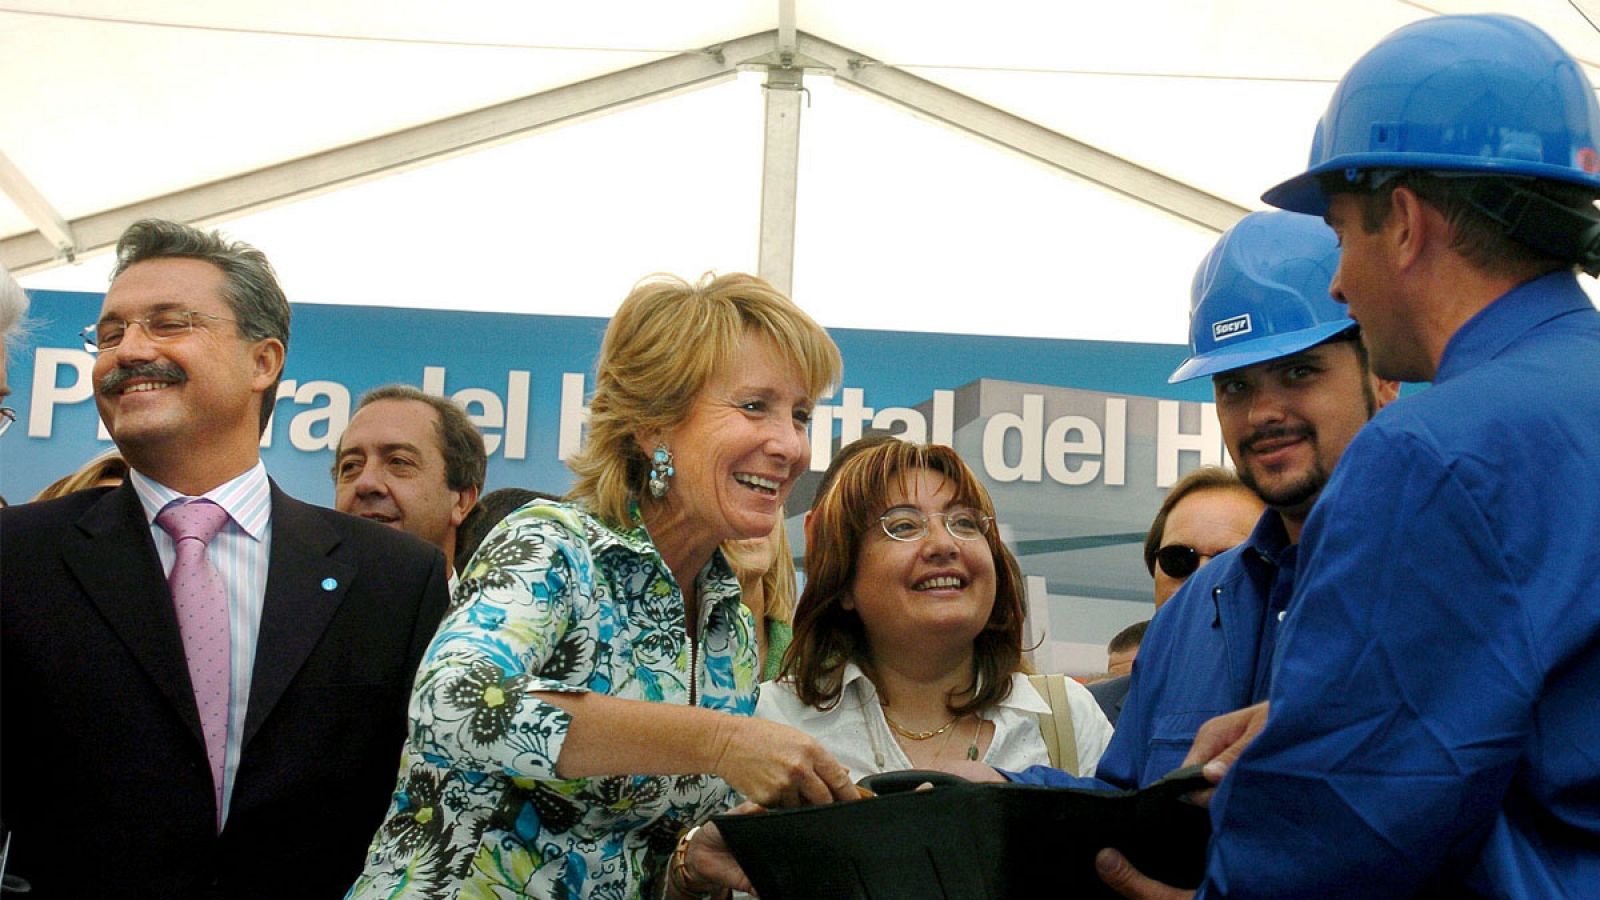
(118, 777)
(1111, 692)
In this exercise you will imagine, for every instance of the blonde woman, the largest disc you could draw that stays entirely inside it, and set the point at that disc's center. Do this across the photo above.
(108, 469)
(589, 693)
(765, 569)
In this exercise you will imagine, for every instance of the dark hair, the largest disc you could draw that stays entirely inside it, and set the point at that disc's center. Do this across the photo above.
(487, 513)
(1128, 638)
(251, 289)
(827, 636)
(1479, 239)
(1353, 336)
(1203, 478)
(460, 442)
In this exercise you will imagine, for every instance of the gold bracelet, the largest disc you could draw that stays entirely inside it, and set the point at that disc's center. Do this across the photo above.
(678, 872)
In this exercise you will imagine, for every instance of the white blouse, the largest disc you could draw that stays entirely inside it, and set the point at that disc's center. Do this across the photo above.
(857, 734)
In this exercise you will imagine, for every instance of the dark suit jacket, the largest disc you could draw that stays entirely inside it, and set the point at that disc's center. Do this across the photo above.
(1110, 694)
(103, 769)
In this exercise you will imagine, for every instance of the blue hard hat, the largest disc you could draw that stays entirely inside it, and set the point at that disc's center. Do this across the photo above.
(1262, 293)
(1487, 95)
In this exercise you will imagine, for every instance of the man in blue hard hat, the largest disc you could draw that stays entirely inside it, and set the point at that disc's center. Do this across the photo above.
(1431, 722)
(1292, 388)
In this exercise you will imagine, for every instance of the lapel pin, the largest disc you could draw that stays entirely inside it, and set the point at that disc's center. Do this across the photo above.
(329, 584)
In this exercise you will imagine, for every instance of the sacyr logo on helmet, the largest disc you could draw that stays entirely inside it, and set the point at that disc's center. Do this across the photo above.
(1227, 328)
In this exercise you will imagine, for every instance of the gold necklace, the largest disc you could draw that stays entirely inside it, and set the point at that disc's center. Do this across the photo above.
(918, 735)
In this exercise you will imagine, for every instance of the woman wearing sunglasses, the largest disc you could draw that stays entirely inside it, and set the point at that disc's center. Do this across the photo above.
(907, 645)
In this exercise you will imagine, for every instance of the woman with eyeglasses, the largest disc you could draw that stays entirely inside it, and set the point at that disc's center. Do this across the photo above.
(907, 649)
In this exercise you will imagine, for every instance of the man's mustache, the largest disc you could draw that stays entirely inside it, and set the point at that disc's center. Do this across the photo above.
(1273, 434)
(116, 378)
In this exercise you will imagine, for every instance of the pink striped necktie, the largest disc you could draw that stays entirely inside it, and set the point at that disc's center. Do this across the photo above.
(201, 600)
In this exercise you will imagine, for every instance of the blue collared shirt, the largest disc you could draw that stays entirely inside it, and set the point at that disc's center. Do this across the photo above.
(1207, 652)
(1433, 704)
(241, 552)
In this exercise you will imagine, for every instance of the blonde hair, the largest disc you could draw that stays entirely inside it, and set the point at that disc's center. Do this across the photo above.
(108, 465)
(777, 578)
(664, 344)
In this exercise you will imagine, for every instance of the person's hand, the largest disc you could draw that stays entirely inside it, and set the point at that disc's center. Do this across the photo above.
(710, 859)
(778, 766)
(1220, 741)
(1120, 875)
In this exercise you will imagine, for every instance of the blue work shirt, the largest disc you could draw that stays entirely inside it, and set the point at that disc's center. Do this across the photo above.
(1208, 652)
(1434, 715)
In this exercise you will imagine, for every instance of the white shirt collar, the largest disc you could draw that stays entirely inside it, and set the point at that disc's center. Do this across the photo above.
(1022, 698)
(247, 497)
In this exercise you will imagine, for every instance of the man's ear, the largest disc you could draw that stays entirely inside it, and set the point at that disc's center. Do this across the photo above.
(1386, 391)
(266, 357)
(466, 499)
(1410, 226)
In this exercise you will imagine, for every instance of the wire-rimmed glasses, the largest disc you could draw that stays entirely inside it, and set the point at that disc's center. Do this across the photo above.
(161, 325)
(907, 523)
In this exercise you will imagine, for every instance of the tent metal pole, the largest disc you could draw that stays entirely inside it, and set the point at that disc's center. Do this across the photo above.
(787, 34)
(1019, 135)
(52, 227)
(430, 142)
(780, 155)
(55, 239)
(780, 169)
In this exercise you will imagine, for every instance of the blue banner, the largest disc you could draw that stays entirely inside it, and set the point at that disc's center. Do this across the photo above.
(1076, 439)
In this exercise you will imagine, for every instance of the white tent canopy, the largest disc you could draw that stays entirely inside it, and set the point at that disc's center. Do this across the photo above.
(406, 154)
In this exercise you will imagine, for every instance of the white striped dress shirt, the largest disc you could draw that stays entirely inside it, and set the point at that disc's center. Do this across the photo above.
(241, 552)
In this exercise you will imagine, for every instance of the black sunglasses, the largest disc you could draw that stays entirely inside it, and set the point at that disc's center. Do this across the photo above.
(1178, 560)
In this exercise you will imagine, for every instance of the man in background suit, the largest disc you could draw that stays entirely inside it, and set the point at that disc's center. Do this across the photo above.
(1111, 692)
(411, 461)
(118, 778)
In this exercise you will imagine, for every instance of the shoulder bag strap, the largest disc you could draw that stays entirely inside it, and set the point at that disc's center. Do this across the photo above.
(1056, 725)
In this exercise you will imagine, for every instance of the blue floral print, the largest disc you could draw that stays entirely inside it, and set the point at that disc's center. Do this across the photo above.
(554, 600)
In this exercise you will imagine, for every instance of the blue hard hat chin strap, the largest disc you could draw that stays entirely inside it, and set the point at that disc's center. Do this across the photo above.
(1534, 220)
(1528, 217)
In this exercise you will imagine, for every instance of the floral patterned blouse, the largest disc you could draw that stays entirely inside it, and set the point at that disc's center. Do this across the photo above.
(554, 600)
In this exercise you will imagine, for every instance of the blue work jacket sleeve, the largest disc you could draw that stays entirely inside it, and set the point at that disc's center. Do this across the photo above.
(1048, 776)
(1402, 698)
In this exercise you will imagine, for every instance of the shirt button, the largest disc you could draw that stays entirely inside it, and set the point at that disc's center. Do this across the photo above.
(1282, 613)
